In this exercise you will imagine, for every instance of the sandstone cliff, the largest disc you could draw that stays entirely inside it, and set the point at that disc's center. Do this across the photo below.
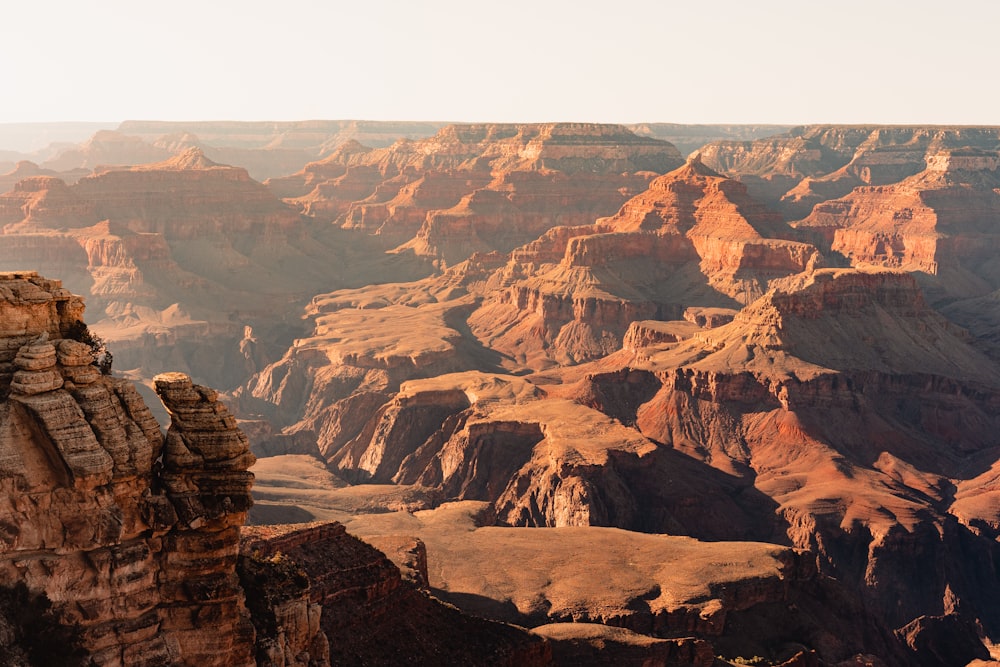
(132, 539)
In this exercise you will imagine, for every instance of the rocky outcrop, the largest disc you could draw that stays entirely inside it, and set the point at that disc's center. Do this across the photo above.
(375, 618)
(133, 540)
(285, 618)
(205, 461)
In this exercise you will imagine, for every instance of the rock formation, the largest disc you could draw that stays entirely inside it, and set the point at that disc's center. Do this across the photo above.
(725, 433)
(855, 445)
(692, 237)
(133, 540)
(810, 164)
(373, 616)
(936, 222)
(478, 188)
(177, 257)
(682, 376)
(124, 544)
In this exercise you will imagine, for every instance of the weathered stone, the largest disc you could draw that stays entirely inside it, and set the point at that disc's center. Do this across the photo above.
(137, 574)
(74, 353)
(30, 383)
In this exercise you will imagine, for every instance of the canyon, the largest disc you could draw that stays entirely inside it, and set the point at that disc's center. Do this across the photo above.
(563, 389)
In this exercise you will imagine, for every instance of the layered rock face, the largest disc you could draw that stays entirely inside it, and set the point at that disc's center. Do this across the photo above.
(937, 222)
(860, 448)
(478, 188)
(177, 258)
(795, 171)
(132, 539)
(772, 424)
(692, 235)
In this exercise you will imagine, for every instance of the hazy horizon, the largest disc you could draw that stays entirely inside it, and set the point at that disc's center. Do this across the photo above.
(773, 62)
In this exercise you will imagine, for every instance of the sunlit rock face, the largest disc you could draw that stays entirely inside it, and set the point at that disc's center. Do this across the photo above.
(480, 187)
(693, 236)
(132, 539)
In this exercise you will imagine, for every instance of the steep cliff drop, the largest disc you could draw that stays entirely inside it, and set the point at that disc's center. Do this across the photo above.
(120, 547)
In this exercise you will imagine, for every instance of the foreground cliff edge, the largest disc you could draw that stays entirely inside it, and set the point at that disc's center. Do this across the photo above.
(119, 546)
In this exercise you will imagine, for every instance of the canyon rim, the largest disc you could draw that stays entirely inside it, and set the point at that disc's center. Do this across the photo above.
(501, 393)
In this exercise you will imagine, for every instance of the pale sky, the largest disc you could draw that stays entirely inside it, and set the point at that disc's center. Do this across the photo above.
(739, 61)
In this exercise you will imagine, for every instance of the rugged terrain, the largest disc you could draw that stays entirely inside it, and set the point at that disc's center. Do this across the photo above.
(807, 165)
(191, 264)
(478, 188)
(772, 366)
(695, 337)
(121, 546)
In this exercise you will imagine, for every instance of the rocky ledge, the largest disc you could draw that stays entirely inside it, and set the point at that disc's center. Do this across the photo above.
(129, 540)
